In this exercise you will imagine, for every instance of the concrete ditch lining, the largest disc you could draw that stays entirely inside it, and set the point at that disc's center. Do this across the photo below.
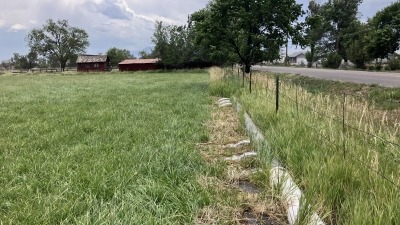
(279, 177)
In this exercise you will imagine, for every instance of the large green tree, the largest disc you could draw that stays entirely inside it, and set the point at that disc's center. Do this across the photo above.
(356, 40)
(218, 52)
(253, 30)
(314, 31)
(160, 40)
(172, 43)
(175, 46)
(384, 37)
(340, 14)
(117, 55)
(58, 39)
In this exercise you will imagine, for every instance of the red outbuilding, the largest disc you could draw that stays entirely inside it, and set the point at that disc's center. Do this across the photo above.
(93, 63)
(138, 64)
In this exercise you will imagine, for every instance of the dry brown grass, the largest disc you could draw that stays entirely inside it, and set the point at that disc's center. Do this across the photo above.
(216, 73)
(231, 204)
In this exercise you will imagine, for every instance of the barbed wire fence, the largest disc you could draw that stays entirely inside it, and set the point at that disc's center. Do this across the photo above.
(340, 115)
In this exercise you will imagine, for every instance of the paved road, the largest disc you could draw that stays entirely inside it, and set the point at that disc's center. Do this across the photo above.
(386, 79)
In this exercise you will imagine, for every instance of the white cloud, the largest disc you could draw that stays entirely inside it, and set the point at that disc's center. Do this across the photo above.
(122, 23)
(17, 27)
(119, 9)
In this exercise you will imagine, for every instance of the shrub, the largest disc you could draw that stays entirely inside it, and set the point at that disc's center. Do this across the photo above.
(333, 61)
(371, 67)
(394, 64)
(378, 67)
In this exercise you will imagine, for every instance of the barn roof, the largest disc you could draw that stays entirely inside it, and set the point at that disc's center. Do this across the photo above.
(91, 58)
(296, 54)
(138, 61)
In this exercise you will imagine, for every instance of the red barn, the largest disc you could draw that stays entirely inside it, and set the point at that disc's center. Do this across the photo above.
(93, 63)
(138, 64)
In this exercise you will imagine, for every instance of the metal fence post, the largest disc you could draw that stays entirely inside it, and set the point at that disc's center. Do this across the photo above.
(277, 94)
(243, 72)
(344, 124)
(297, 102)
(250, 82)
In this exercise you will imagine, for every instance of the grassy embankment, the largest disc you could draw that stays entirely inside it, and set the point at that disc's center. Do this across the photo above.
(350, 177)
(102, 149)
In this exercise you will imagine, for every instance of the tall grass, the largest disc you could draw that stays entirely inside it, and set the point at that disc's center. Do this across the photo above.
(382, 97)
(223, 83)
(352, 175)
(102, 149)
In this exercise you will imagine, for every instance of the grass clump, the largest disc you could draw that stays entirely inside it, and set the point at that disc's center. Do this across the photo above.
(223, 83)
(102, 149)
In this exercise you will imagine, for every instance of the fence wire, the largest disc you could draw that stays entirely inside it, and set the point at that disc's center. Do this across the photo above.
(339, 120)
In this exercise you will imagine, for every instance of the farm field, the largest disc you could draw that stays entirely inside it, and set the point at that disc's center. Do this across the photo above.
(102, 148)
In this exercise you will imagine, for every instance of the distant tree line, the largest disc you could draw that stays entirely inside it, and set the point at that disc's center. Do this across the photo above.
(57, 45)
(240, 31)
(253, 31)
(334, 33)
(175, 46)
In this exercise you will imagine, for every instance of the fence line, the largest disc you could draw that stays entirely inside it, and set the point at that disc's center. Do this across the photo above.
(277, 89)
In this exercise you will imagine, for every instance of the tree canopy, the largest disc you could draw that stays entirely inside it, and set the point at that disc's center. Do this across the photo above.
(58, 40)
(384, 37)
(356, 40)
(252, 30)
(340, 14)
(175, 46)
(315, 27)
(117, 55)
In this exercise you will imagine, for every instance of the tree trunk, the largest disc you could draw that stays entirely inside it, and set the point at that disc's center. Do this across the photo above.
(247, 68)
(286, 55)
(244, 73)
(62, 65)
(250, 82)
(312, 53)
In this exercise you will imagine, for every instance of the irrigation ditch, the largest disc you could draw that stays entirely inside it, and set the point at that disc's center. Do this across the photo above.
(280, 178)
(278, 201)
(242, 193)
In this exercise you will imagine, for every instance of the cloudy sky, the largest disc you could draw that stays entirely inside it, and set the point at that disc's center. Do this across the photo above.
(124, 24)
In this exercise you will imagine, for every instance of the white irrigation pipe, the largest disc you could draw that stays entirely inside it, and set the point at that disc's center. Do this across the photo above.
(237, 145)
(242, 156)
(280, 177)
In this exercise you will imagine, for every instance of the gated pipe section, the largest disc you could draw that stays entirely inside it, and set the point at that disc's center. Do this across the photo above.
(279, 177)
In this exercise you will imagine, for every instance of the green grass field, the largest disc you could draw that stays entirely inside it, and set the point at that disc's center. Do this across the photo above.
(347, 177)
(102, 148)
